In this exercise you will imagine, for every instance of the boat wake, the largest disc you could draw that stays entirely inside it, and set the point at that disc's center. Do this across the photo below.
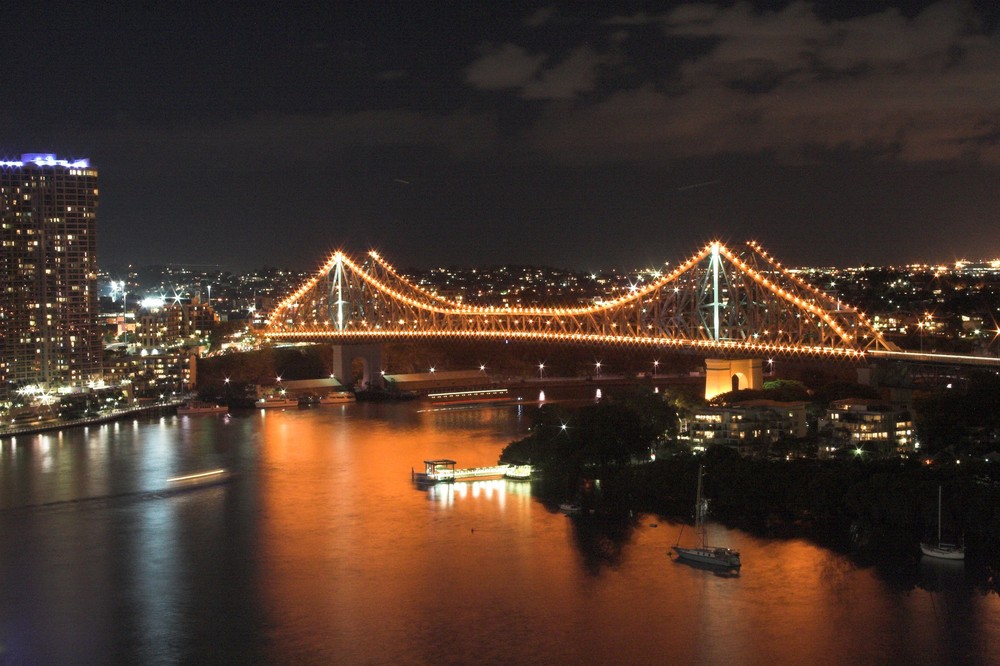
(178, 486)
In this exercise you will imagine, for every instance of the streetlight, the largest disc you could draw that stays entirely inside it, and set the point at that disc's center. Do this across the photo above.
(597, 366)
(541, 370)
(924, 323)
(656, 364)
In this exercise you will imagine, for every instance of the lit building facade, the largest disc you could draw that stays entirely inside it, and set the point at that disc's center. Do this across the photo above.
(48, 271)
(171, 324)
(155, 375)
(885, 427)
(746, 426)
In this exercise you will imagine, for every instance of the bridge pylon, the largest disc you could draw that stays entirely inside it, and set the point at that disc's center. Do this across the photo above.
(723, 375)
(371, 359)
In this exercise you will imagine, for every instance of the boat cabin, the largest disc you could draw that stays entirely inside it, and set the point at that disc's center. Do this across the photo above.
(439, 470)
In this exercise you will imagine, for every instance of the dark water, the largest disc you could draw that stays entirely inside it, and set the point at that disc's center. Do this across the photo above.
(319, 550)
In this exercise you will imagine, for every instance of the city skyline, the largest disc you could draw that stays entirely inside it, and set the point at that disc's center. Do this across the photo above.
(833, 133)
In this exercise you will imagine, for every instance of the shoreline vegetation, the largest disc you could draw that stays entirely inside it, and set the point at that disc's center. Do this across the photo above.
(875, 511)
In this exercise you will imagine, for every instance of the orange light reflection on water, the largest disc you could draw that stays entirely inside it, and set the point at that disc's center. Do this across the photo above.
(358, 565)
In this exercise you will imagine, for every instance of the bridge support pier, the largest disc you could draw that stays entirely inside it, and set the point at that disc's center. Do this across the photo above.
(723, 375)
(371, 360)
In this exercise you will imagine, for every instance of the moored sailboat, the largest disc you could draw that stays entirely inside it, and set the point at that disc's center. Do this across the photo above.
(703, 554)
(940, 549)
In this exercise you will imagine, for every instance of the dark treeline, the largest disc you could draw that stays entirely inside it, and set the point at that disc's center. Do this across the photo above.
(875, 510)
(964, 420)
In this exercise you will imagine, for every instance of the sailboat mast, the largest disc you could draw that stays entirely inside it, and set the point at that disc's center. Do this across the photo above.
(939, 515)
(698, 511)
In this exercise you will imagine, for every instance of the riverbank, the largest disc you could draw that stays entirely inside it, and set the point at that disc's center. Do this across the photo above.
(104, 417)
(875, 512)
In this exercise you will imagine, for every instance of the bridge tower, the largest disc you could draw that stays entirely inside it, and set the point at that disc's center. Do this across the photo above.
(371, 359)
(723, 375)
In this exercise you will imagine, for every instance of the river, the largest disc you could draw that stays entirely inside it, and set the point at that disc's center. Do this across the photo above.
(319, 549)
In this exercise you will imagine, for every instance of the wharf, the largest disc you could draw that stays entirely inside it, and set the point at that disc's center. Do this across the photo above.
(104, 417)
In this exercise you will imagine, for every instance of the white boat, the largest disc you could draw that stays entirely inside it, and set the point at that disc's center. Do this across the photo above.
(940, 549)
(518, 472)
(714, 556)
(570, 508)
(276, 401)
(337, 398)
(196, 407)
(471, 396)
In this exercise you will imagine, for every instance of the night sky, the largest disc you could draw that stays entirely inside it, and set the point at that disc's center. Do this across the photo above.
(576, 135)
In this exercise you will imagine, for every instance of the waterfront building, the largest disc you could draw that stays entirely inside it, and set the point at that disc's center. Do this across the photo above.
(749, 426)
(881, 426)
(48, 272)
(160, 324)
(155, 373)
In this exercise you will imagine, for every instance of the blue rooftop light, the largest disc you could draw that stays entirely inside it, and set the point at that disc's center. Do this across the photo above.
(46, 159)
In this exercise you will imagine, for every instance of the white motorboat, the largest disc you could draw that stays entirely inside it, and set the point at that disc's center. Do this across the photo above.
(195, 407)
(276, 401)
(337, 398)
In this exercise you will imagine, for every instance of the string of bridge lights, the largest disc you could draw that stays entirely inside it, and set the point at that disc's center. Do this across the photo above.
(281, 325)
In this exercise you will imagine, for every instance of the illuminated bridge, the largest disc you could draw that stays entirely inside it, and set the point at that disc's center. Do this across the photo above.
(720, 301)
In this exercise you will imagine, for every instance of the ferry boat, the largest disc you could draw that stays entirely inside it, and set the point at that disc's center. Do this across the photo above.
(703, 554)
(199, 479)
(276, 401)
(518, 472)
(470, 396)
(443, 471)
(195, 407)
(337, 398)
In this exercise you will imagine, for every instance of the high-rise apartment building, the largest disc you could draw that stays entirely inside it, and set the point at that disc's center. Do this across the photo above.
(48, 272)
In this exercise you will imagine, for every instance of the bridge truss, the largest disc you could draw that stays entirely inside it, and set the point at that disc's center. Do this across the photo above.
(719, 300)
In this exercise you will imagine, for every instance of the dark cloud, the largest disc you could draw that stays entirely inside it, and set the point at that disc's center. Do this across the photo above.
(788, 82)
(816, 123)
(283, 140)
(573, 76)
(507, 66)
(540, 17)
